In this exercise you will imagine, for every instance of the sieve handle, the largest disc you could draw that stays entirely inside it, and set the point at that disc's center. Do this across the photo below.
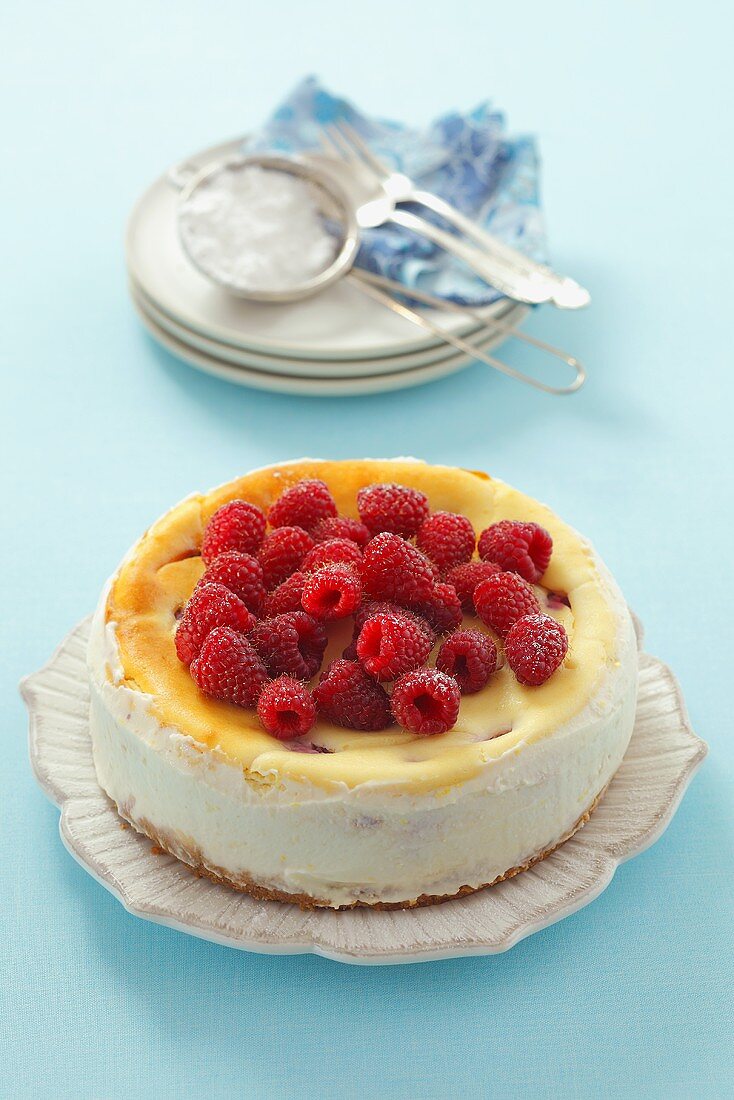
(379, 288)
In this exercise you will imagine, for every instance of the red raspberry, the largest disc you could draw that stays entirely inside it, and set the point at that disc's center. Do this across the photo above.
(470, 657)
(392, 569)
(442, 610)
(341, 551)
(536, 646)
(286, 709)
(292, 644)
(229, 668)
(523, 548)
(347, 696)
(378, 607)
(210, 605)
(282, 553)
(332, 592)
(341, 527)
(241, 574)
(235, 526)
(393, 508)
(447, 539)
(466, 577)
(390, 645)
(303, 505)
(503, 599)
(426, 701)
(286, 597)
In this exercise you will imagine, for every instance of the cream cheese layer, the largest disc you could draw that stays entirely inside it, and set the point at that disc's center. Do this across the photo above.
(160, 572)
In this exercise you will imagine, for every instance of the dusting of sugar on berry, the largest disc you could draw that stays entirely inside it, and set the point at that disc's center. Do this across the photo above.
(470, 657)
(237, 525)
(332, 592)
(447, 538)
(536, 647)
(394, 508)
(390, 645)
(286, 709)
(292, 644)
(210, 605)
(393, 569)
(503, 599)
(228, 668)
(523, 548)
(426, 701)
(347, 696)
(282, 553)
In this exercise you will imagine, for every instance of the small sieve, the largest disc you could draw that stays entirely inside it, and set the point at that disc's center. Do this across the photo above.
(338, 215)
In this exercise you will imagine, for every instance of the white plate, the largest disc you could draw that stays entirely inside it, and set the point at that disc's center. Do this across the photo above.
(337, 369)
(296, 384)
(340, 323)
(513, 314)
(662, 757)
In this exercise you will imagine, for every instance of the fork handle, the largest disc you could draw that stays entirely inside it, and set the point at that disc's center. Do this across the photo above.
(368, 287)
(565, 292)
(513, 284)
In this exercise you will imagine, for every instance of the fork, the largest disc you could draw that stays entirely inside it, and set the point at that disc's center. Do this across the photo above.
(375, 207)
(534, 282)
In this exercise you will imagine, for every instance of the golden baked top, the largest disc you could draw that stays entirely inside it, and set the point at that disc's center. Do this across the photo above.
(158, 576)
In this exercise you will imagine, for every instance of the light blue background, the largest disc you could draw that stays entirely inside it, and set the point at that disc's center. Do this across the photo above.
(101, 431)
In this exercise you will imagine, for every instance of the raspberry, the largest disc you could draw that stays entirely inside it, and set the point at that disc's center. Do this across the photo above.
(303, 505)
(282, 553)
(426, 701)
(341, 527)
(390, 645)
(292, 644)
(241, 574)
(286, 597)
(210, 605)
(343, 551)
(447, 539)
(377, 607)
(523, 548)
(347, 696)
(470, 657)
(503, 599)
(235, 526)
(332, 592)
(286, 709)
(392, 569)
(442, 609)
(229, 668)
(535, 647)
(466, 577)
(393, 508)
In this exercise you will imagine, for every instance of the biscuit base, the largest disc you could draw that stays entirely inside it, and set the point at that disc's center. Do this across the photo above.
(187, 853)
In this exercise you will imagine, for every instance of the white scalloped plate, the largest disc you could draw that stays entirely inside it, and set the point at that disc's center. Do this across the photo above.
(662, 757)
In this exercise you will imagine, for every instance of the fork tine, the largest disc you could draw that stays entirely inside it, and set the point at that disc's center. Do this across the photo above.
(362, 148)
(329, 146)
(342, 147)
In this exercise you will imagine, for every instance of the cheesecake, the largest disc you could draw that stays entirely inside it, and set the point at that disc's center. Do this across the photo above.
(392, 725)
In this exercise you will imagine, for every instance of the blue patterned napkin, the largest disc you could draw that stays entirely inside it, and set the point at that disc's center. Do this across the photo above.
(467, 159)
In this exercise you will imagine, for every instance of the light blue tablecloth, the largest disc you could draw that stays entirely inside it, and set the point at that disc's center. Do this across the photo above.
(101, 431)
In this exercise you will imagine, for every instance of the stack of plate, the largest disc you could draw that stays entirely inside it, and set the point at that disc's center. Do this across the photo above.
(338, 342)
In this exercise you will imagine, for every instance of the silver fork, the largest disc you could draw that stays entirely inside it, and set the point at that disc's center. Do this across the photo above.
(535, 282)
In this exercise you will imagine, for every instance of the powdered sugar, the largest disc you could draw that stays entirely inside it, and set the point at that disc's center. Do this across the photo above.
(256, 229)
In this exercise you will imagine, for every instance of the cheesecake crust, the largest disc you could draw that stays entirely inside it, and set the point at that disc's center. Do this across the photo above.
(187, 852)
